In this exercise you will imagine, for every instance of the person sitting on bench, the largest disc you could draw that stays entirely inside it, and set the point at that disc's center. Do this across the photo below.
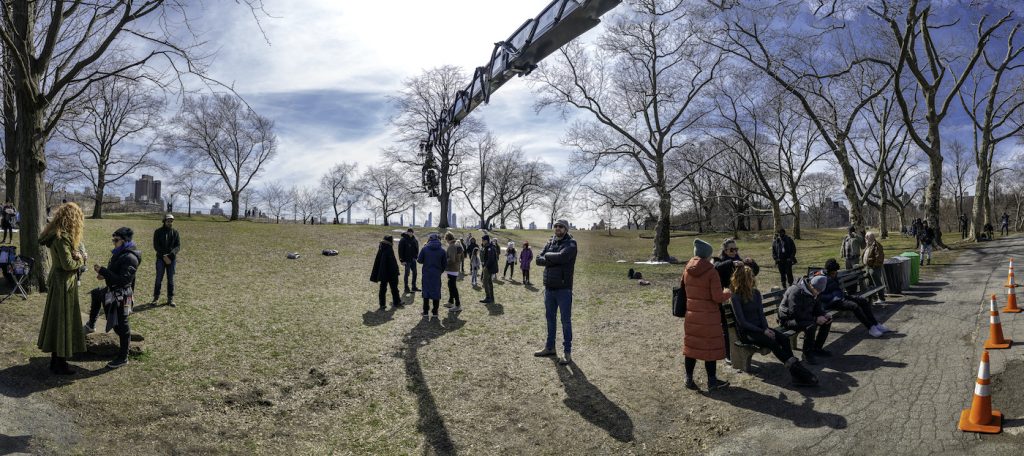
(801, 311)
(752, 326)
(835, 298)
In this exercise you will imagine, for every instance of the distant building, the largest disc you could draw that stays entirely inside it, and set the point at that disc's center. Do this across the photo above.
(533, 225)
(430, 220)
(216, 210)
(147, 190)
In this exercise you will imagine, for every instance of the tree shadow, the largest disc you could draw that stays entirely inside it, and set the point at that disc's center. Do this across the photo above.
(378, 317)
(592, 404)
(494, 309)
(430, 422)
(802, 415)
(26, 379)
(10, 444)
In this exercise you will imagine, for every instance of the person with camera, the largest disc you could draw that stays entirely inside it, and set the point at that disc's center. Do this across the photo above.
(167, 243)
(116, 296)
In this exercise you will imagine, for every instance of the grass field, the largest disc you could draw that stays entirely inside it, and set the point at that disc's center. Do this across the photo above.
(266, 355)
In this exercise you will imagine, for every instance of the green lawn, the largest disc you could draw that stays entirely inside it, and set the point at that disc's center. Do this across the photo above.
(274, 356)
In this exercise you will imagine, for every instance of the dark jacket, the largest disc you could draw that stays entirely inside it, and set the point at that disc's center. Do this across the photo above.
(926, 235)
(166, 242)
(749, 314)
(784, 250)
(408, 248)
(385, 266)
(725, 268)
(832, 293)
(489, 257)
(120, 271)
(434, 259)
(559, 261)
(798, 305)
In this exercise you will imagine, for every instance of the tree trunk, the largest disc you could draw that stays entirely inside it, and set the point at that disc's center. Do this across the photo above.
(97, 209)
(933, 195)
(883, 214)
(850, 188)
(234, 205)
(776, 217)
(445, 198)
(663, 230)
(32, 191)
(797, 213)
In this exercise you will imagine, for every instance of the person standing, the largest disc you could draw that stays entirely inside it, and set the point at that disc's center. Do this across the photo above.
(408, 252)
(116, 296)
(784, 254)
(455, 254)
(558, 258)
(489, 259)
(510, 261)
(926, 238)
(874, 260)
(61, 332)
(702, 329)
(473, 251)
(7, 222)
(853, 245)
(434, 260)
(964, 225)
(385, 272)
(800, 310)
(167, 243)
(525, 258)
(1004, 224)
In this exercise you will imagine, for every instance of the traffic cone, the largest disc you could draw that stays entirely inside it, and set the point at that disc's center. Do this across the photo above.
(995, 329)
(1011, 300)
(980, 417)
(1009, 277)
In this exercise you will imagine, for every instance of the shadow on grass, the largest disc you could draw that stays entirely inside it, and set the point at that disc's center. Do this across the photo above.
(532, 288)
(147, 306)
(378, 317)
(802, 415)
(430, 422)
(27, 379)
(494, 309)
(587, 400)
(10, 444)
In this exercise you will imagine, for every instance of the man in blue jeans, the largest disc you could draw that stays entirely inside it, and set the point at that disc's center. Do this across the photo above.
(166, 242)
(558, 258)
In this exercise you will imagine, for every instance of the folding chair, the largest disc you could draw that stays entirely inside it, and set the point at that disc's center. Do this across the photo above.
(19, 270)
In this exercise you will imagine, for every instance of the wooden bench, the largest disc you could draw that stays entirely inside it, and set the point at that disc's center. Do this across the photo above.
(742, 352)
(857, 282)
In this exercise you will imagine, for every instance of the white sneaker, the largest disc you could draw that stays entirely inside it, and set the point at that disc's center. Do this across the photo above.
(875, 332)
(88, 329)
(884, 328)
(457, 309)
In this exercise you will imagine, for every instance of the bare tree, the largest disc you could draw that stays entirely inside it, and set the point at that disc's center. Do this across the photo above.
(192, 184)
(643, 89)
(560, 192)
(276, 198)
(386, 191)
(818, 189)
(310, 202)
(959, 173)
(340, 183)
(474, 182)
(229, 136)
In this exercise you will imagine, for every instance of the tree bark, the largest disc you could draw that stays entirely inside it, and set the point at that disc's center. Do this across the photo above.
(31, 196)
(234, 205)
(97, 210)
(663, 230)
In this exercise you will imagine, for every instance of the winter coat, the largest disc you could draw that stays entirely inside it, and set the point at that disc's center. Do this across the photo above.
(833, 292)
(559, 261)
(166, 241)
(7, 216)
(798, 305)
(408, 248)
(489, 257)
(725, 268)
(434, 259)
(120, 271)
(61, 330)
(852, 246)
(874, 255)
(385, 266)
(784, 250)
(702, 328)
(473, 250)
(455, 253)
(926, 235)
(510, 255)
(749, 313)
(525, 258)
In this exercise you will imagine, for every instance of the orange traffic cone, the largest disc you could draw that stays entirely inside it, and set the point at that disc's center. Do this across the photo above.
(980, 417)
(1009, 277)
(995, 329)
(1011, 300)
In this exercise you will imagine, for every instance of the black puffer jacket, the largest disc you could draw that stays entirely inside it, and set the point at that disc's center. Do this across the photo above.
(120, 271)
(559, 261)
(798, 307)
(408, 248)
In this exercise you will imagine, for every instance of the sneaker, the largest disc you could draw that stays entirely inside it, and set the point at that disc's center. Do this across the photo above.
(89, 329)
(484, 301)
(117, 363)
(690, 385)
(545, 352)
(170, 302)
(449, 305)
(397, 304)
(883, 328)
(875, 332)
(802, 376)
(457, 309)
(566, 359)
(717, 384)
(425, 315)
(728, 361)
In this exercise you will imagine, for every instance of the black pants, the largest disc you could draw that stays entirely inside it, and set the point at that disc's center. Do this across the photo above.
(526, 276)
(860, 307)
(410, 266)
(725, 333)
(8, 232)
(814, 335)
(779, 345)
(1004, 229)
(786, 271)
(426, 305)
(122, 330)
(383, 293)
(453, 290)
(963, 233)
(709, 366)
(509, 266)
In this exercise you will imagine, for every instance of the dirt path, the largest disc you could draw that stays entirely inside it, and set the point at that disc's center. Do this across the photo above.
(902, 394)
(29, 423)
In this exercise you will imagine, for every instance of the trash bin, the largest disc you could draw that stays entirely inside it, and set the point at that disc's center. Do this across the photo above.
(915, 266)
(893, 270)
(905, 271)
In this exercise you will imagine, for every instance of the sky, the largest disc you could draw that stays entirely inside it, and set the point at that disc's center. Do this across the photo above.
(326, 67)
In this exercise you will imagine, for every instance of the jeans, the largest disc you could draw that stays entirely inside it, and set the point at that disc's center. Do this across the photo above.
(160, 269)
(509, 266)
(926, 251)
(691, 363)
(474, 269)
(878, 280)
(122, 330)
(555, 301)
(814, 335)
(453, 290)
(410, 266)
(488, 281)
(860, 307)
(383, 293)
(786, 271)
(779, 345)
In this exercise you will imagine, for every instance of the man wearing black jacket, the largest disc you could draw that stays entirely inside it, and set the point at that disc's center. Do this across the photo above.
(167, 243)
(489, 262)
(559, 261)
(800, 310)
(116, 296)
(408, 251)
(784, 254)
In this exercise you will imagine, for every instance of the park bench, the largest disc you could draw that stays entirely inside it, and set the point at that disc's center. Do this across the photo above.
(742, 352)
(856, 281)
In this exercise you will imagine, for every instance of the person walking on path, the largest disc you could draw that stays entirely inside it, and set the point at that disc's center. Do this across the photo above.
(510, 261)
(784, 255)
(1004, 224)
(455, 254)
(60, 333)
(874, 260)
(385, 272)
(116, 296)
(702, 328)
(964, 225)
(800, 310)
(408, 252)
(926, 238)
(752, 326)
(434, 260)
(525, 258)
(489, 259)
(7, 222)
(167, 243)
(853, 245)
(728, 260)
(558, 258)
(473, 251)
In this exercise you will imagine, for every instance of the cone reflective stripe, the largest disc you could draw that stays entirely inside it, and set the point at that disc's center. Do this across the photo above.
(1009, 277)
(995, 329)
(1011, 300)
(980, 417)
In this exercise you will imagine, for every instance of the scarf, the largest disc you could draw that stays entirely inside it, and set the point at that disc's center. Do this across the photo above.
(130, 245)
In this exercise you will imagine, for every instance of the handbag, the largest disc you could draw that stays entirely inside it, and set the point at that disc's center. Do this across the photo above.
(679, 302)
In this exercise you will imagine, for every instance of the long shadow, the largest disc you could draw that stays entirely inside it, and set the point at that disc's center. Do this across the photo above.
(430, 422)
(830, 384)
(587, 400)
(378, 317)
(860, 363)
(802, 415)
(26, 379)
(532, 288)
(10, 444)
(494, 309)
(145, 307)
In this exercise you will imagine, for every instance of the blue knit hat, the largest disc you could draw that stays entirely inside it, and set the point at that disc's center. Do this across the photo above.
(702, 249)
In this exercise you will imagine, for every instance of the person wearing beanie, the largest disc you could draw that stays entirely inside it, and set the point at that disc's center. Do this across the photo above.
(558, 258)
(853, 245)
(434, 260)
(408, 251)
(489, 259)
(728, 260)
(836, 298)
(702, 328)
(455, 254)
(525, 258)
(385, 272)
(784, 255)
(167, 243)
(800, 310)
(510, 261)
(116, 296)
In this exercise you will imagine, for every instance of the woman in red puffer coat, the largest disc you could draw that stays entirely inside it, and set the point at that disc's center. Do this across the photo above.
(702, 327)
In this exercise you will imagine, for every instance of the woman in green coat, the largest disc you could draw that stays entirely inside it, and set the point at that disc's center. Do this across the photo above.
(61, 333)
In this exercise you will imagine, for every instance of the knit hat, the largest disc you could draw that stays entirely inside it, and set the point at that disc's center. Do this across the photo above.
(819, 283)
(563, 222)
(124, 233)
(486, 237)
(434, 237)
(511, 244)
(702, 249)
(831, 265)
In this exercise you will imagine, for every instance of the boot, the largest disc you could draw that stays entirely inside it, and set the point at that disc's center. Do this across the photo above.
(62, 367)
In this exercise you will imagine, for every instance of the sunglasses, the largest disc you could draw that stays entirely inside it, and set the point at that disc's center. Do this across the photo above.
(732, 249)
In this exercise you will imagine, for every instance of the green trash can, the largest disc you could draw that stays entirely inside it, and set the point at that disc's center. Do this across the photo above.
(915, 266)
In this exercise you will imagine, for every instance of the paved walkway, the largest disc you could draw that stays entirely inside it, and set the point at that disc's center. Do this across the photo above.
(902, 394)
